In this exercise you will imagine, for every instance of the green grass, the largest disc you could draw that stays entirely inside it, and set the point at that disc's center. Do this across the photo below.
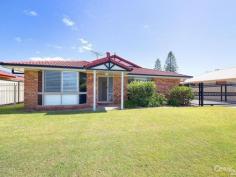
(139, 142)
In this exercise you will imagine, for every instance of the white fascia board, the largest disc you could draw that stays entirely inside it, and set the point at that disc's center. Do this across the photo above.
(22, 68)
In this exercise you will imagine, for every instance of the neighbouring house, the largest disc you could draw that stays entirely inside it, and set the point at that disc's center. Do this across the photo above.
(85, 84)
(11, 88)
(214, 87)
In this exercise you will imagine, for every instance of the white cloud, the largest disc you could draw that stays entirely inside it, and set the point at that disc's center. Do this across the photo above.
(83, 41)
(48, 59)
(68, 22)
(85, 46)
(18, 39)
(30, 13)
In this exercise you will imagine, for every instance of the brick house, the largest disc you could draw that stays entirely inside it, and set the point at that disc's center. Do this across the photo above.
(55, 85)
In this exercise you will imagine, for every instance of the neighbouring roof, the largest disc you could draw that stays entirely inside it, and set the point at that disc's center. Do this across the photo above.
(227, 74)
(8, 76)
(130, 67)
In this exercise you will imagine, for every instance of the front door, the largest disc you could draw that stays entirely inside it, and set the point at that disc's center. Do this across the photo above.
(105, 89)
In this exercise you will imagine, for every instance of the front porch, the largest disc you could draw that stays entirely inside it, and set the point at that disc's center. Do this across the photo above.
(109, 88)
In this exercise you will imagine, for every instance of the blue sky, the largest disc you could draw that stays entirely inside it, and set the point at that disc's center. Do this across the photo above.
(201, 33)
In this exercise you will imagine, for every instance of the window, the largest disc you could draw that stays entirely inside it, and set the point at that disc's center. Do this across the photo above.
(82, 82)
(64, 88)
(139, 79)
(52, 81)
(82, 98)
(70, 81)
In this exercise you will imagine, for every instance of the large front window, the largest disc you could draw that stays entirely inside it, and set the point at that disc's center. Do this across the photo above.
(64, 88)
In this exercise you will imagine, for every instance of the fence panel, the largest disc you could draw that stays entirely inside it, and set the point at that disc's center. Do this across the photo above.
(11, 92)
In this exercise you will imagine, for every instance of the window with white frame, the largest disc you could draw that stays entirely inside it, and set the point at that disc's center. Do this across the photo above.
(64, 88)
(131, 78)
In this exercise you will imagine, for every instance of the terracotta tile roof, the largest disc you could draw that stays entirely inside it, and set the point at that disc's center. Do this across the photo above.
(124, 61)
(153, 72)
(7, 75)
(58, 63)
(129, 66)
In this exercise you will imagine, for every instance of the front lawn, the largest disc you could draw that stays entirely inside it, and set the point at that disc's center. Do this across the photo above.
(139, 142)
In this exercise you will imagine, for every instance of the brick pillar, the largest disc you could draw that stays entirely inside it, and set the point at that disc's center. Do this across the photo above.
(90, 89)
(30, 89)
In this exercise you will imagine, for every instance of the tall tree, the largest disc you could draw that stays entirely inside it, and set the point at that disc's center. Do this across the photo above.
(157, 64)
(171, 64)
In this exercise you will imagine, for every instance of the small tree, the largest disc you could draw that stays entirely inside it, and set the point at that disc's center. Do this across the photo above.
(158, 64)
(171, 64)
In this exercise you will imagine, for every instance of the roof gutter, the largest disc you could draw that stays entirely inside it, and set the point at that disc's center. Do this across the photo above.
(37, 66)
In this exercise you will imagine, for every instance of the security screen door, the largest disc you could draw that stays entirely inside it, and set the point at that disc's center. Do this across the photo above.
(105, 89)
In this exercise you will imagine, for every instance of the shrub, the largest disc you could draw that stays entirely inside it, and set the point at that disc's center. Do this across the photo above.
(140, 92)
(157, 100)
(130, 104)
(180, 96)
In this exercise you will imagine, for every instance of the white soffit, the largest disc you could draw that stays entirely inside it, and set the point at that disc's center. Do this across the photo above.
(99, 67)
(104, 67)
(115, 67)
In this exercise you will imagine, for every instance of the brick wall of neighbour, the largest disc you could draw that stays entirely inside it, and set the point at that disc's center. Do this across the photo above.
(31, 89)
(164, 85)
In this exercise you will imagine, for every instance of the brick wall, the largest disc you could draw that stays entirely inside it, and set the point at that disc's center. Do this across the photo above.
(31, 89)
(32, 80)
(33, 85)
(90, 89)
(164, 85)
